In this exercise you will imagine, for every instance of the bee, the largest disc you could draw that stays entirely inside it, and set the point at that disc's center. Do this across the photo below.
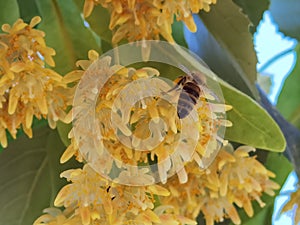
(191, 85)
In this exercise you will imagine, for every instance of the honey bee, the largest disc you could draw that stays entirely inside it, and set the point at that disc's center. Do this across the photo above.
(191, 85)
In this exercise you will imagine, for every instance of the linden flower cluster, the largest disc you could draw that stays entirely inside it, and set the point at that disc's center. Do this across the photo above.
(234, 178)
(27, 88)
(294, 202)
(146, 128)
(92, 200)
(147, 19)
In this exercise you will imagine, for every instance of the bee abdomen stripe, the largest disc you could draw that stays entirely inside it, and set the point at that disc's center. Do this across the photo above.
(192, 89)
(182, 112)
(187, 97)
(184, 106)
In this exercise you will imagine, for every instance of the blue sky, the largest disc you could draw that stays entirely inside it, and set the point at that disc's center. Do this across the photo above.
(268, 43)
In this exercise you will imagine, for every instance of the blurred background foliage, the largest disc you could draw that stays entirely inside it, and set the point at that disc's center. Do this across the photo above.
(30, 168)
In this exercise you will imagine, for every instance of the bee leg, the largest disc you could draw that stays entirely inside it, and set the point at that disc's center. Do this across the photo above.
(179, 81)
(174, 88)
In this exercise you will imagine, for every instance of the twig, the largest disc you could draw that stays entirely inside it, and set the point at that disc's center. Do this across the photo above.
(275, 58)
(291, 133)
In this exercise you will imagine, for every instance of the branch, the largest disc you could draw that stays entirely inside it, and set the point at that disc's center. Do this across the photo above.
(275, 58)
(291, 133)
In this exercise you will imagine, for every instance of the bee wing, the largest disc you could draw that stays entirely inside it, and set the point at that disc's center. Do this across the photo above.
(209, 94)
(197, 76)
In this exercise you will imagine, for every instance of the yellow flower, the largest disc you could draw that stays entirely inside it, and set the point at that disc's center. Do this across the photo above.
(147, 19)
(234, 178)
(168, 216)
(294, 202)
(146, 132)
(92, 199)
(27, 87)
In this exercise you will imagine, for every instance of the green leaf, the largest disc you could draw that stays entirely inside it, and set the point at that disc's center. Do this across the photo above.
(63, 131)
(99, 22)
(28, 9)
(261, 215)
(254, 9)
(9, 12)
(106, 46)
(252, 125)
(279, 165)
(230, 27)
(205, 45)
(36, 123)
(177, 33)
(295, 118)
(66, 33)
(286, 14)
(288, 101)
(29, 176)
